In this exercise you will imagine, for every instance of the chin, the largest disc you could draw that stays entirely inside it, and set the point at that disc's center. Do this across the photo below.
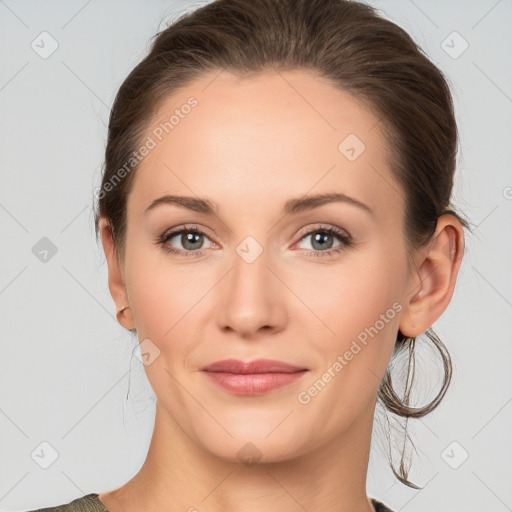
(250, 445)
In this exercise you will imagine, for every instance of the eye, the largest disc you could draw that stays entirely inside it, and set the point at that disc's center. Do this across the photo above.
(323, 238)
(191, 239)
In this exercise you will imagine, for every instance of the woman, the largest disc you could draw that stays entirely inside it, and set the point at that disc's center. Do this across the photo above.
(254, 133)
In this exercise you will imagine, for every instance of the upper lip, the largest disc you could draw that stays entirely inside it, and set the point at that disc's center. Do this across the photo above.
(256, 366)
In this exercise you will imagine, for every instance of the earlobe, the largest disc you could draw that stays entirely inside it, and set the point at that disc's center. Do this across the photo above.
(116, 283)
(437, 273)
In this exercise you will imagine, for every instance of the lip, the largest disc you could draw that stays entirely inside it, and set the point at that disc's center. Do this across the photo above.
(253, 377)
(255, 366)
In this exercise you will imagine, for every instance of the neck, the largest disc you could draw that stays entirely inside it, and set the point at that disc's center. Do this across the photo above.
(179, 475)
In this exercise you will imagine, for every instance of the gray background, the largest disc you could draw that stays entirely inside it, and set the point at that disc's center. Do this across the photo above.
(66, 364)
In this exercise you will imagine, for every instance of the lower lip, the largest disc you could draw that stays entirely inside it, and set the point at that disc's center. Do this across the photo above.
(254, 383)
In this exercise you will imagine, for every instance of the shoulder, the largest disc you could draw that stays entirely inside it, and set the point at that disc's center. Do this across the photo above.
(88, 503)
(380, 507)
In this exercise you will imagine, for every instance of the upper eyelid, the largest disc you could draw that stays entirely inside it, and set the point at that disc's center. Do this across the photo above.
(337, 230)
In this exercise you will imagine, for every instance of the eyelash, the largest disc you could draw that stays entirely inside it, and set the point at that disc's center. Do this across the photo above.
(343, 237)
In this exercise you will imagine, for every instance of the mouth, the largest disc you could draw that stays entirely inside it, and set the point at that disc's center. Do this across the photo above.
(253, 377)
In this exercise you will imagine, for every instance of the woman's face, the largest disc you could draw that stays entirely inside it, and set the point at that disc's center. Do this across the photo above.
(257, 276)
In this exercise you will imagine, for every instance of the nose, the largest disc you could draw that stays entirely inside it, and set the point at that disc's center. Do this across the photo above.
(252, 299)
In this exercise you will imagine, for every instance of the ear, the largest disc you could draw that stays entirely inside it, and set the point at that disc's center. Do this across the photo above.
(436, 273)
(116, 282)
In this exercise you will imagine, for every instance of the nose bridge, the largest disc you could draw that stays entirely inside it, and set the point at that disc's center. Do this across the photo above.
(250, 300)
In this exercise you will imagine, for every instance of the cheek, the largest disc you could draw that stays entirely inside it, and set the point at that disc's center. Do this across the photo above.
(363, 311)
(357, 293)
(161, 293)
(362, 308)
(163, 299)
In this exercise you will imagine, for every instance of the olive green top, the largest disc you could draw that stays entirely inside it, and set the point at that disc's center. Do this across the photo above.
(91, 503)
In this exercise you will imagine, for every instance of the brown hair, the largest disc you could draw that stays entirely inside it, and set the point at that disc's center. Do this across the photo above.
(348, 43)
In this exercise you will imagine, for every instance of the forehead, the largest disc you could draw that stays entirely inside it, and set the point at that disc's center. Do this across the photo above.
(265, 136)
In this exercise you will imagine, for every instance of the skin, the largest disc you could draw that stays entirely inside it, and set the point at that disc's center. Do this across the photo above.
(248, 147)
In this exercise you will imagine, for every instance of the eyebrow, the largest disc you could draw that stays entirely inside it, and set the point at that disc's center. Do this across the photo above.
(292, 206)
